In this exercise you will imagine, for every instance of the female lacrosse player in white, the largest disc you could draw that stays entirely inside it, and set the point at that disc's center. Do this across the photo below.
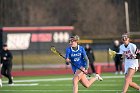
(129, 53)
(76, 55)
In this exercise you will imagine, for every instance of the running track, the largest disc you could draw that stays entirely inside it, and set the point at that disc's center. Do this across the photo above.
(100, 68)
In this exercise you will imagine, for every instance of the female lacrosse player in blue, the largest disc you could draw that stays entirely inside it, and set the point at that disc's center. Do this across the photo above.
(76, 55)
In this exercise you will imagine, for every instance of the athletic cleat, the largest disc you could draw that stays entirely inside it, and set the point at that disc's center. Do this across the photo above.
(0, 83)
(139, 90)
(11, 84)
(121, 72)
(116, 72)
(12, 77)
(98, 77)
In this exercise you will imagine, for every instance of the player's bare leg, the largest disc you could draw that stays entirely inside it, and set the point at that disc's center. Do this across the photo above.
(128, 80)
(87, 83)
(80, 76)
(0, 82)
(77, 76)
(134, 85)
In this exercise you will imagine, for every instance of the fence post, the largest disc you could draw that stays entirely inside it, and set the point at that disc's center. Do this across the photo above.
(1, 41)
(22, 59)
(108, 58)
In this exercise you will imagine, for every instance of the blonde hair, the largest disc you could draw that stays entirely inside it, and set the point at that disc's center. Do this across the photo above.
(76, 38)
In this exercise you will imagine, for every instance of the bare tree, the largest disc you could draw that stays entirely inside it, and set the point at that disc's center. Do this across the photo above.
(91, 18)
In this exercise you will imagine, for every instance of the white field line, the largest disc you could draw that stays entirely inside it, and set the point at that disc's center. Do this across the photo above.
(63, 79)
(108, 77)
(42, 80)
(117, 91)
(33, 84)
(62, 85)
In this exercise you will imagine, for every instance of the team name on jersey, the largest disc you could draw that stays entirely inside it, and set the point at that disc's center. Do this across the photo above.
(127, 52)
(129, 55)
(77, 54)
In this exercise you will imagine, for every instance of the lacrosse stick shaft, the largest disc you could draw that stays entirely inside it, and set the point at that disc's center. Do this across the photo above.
(74, 65)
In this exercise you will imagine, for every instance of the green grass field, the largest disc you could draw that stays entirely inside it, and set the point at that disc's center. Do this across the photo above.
(63, 84)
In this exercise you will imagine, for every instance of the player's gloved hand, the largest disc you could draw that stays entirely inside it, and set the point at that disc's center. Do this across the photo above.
(67, 63)
(138, 56)
(86, 67)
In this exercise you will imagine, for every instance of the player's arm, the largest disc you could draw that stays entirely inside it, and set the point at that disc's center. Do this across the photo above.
(87, 61)
(67, 56)
(120, 56)
(120, 53)
(137, 52)
(67, 61)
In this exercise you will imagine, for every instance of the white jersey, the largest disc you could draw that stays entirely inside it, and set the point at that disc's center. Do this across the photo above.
(129, 55)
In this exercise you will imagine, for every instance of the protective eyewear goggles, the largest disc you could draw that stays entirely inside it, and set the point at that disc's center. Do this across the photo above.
(72, 40)
(124, 37)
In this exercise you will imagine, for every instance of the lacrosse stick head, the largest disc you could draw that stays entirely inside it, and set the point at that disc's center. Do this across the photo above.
(53, 49)
(112, 53)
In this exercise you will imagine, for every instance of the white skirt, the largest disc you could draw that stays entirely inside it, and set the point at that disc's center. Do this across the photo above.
(131, 64)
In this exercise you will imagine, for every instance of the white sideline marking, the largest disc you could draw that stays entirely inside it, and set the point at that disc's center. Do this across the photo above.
(39, 80)
(108, 77)
(62, 79)
(63, 90)
(60, 91)
(60, 85)
(33, 84)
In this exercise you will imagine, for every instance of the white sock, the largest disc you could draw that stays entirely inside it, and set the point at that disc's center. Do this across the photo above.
(96, 77)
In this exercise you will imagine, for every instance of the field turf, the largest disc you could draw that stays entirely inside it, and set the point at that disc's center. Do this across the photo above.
(63, 84)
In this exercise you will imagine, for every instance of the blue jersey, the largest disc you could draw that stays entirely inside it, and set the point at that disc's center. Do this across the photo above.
(76, 57)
